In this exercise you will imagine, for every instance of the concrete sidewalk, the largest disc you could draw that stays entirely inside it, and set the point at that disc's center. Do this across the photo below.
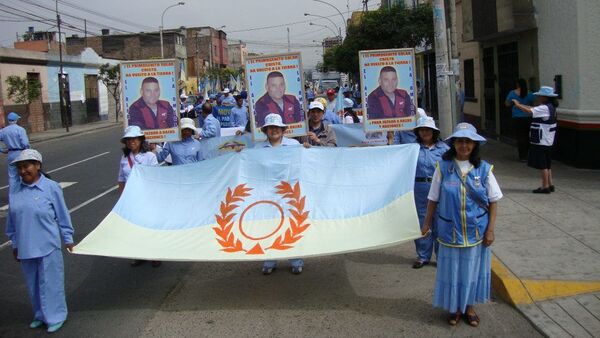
(547, 249)
(73, 130)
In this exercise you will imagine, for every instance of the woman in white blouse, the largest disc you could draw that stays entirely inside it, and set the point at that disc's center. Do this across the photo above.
(135, 152)
(465, 192)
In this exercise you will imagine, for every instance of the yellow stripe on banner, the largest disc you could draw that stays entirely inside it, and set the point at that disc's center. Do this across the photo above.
(391, 225)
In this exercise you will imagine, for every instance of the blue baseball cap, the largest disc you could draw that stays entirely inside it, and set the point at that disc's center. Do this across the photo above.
(12, 116)
(466, 130)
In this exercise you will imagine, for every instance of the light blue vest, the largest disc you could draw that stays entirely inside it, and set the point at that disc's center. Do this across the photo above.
(462, 219)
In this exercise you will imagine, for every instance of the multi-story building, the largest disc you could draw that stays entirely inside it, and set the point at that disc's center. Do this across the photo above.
(206, 48)
(331, 42)
(139, 46)
(237, 54)
(549, 43)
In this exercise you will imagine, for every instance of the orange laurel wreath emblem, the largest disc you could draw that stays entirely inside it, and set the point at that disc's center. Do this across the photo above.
(297, 221)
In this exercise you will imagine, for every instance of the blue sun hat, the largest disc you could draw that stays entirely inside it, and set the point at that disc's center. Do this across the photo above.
(546, 91)
(466, 130)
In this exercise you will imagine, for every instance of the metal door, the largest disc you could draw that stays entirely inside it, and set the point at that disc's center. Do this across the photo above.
(508, 72)
(91, 98)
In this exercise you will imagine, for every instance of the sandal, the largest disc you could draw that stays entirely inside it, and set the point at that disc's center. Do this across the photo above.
(473, 320)
(454, 319)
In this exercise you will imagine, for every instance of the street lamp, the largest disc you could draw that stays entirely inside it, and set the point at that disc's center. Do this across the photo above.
(331, 29)
(324, 17)
(342, 15)
(162, 17)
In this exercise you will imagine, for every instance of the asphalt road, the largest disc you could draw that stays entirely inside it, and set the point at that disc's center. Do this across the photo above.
(362, 294)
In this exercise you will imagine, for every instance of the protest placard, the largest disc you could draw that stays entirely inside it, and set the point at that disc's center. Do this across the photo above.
(353, 135)
(150, 98)
(223, 114)
(388, 88)
(275, 85)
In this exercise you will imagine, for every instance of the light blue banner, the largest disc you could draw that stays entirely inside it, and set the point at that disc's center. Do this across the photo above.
(339, 183)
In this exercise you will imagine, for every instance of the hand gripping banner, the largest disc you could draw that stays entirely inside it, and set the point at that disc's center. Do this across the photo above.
(269, 203)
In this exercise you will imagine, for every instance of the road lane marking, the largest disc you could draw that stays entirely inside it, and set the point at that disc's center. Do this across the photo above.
(68, 165)
(72, 210)
(62, 185)
(66, 184)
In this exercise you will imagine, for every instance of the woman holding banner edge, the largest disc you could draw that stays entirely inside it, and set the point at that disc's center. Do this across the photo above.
(430, 152)
(135, 151)
(466, 192)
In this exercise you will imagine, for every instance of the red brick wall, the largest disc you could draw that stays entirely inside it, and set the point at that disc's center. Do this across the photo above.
(36, 116)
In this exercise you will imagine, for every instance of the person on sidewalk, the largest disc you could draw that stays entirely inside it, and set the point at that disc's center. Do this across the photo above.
(320, 134)
(38, 219)
(15, 138)
(136, 151)
(188, 150)
(430, 152)
(520, 119)
(541, 135)
(465, 193)
(274, 128)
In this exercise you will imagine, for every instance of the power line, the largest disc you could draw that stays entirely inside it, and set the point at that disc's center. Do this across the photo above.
(105, 16)
(291, 23)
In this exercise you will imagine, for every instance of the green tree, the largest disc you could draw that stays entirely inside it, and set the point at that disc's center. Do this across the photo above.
(110, 75)
(385, 28)
(23, 90)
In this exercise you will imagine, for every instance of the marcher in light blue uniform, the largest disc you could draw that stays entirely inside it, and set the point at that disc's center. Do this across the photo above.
(211, 127)
(466, 193)
(431, 151)
(274, 128)
(135, 152)
(15, 139)
(38, 219)
(239, 113)
(227, 99)
(188, 150)
(331, 115)
(406, 136)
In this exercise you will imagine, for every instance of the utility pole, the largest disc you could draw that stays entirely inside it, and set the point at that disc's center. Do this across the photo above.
(443, 69)
(85, 32)
(454, 64)
(61, 82)
(288, 36)
(197, 65)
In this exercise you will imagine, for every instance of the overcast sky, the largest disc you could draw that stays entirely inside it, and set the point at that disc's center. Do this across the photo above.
(242, 19)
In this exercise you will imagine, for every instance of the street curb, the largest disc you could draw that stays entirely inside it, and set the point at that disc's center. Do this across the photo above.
(76, 133)
(517, 291)
(507, 285)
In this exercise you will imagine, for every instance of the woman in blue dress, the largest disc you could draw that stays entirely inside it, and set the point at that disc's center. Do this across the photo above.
(465, 193)
(430, 152)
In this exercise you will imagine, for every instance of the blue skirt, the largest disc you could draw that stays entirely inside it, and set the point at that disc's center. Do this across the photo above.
(462, 277)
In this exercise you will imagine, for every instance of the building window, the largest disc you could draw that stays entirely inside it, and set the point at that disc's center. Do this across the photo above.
(469, 85)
